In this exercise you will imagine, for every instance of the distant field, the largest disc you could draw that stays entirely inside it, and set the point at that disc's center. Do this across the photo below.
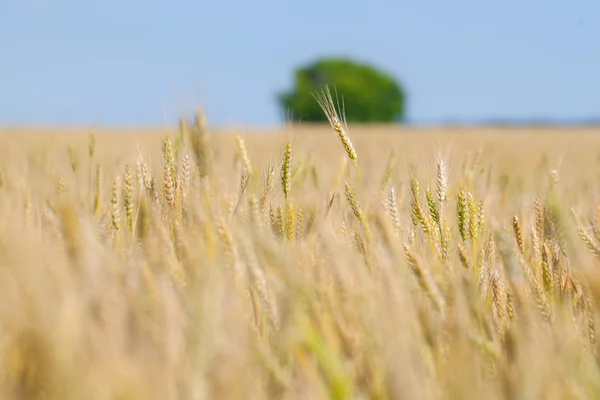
(522, 153)
(441, 263)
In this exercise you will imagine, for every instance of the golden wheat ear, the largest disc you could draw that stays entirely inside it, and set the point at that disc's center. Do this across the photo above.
(115, 213)
(128, 196)
(338, 123)
(243, 154)
(518, 234)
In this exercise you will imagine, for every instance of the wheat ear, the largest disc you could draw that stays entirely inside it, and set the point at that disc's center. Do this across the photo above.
(340, 126)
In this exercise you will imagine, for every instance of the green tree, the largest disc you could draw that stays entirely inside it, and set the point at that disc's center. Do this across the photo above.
(368, 95)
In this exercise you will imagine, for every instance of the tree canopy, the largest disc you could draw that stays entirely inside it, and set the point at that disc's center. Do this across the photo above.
(368, 94)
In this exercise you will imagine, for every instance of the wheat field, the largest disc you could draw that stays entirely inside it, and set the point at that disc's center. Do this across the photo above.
(307, 262)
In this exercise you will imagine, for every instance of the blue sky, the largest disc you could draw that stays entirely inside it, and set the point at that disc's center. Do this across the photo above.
(130, 62)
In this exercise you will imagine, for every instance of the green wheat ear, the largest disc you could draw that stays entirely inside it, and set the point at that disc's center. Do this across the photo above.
(73, 158)
(462, 211)
(286, 171)
(92, 145)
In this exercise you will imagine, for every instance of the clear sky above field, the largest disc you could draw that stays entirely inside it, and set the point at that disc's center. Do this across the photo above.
(129, 62)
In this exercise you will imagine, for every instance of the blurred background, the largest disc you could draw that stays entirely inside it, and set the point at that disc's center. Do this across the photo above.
(124, 62)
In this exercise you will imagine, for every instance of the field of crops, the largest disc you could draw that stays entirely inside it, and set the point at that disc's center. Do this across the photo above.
(302, 263)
